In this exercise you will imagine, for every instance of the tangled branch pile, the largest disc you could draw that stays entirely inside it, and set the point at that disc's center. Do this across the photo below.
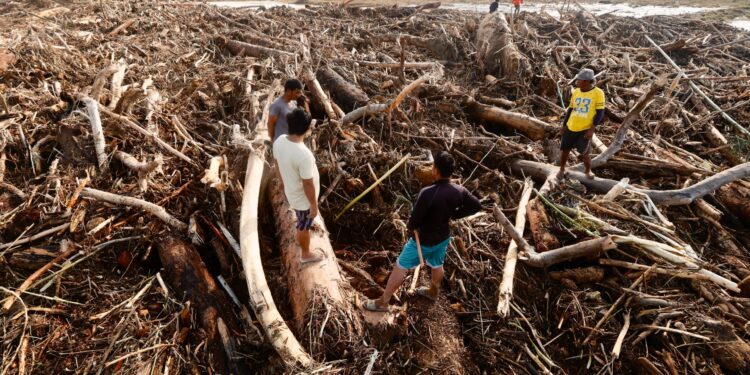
(125, 129)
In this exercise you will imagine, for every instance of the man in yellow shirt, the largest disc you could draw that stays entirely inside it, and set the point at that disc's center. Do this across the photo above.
(585, 112)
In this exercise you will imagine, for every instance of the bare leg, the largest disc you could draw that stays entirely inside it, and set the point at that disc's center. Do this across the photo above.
(563, 160)
(437, 278)
(303, 238)
(394, 281)
(586, 158)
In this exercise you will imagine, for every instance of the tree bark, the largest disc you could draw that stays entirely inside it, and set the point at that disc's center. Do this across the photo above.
(189, 276)
(238, 48)
(527, 125)
(539, 224)
(737, 200)
(496, 52)
(317, 290)
(345, 94)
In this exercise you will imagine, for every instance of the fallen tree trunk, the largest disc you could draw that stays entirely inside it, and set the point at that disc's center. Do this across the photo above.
(261, 300)
(505, 293)
(345, 94)
(317, 290)
(496, 53)
(527, 125)
(189, 276)
(674, 197)
(238, 48)
(737, 201)
(539, 224)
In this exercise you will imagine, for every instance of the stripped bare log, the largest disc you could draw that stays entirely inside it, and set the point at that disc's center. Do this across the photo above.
(524, 124)
(674, 197)
(238, 48)
(149, 207)
(589, 248)
(92, 107)
(496, 53)
(505, 293)
(143, 169)
(319, 95)
(116, 85)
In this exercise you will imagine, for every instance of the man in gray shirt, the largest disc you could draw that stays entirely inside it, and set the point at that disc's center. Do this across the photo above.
(282, 106)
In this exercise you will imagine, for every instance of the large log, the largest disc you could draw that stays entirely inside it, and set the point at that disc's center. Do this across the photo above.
(541, 171)
(539, 224)
(346, 95)
(317, 290)
(737, 200)
(531, 127)
(261, 300)
(189, 276)
(496, 52)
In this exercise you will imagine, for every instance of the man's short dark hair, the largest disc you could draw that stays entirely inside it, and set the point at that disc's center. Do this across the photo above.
(292, 84)
(299, 121)
(445, 163)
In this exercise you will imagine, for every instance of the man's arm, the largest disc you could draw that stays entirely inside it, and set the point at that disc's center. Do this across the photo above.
(417, 213)
(469, 206)
(309, 186)
(272, 125)
(567, 116)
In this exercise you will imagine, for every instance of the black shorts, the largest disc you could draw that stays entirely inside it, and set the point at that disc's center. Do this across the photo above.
(577, 140)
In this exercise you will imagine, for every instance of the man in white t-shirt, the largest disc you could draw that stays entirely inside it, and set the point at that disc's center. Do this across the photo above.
(300, 178)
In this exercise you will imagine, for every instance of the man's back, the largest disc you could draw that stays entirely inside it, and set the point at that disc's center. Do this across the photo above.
(436, 205)
(493, 6)
(296, 163)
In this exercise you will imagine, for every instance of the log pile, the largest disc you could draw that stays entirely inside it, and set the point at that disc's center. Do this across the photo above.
(141, 230)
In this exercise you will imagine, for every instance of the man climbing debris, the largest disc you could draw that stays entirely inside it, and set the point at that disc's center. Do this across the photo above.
(282, 106)
(436, 205)
(301, 182)
(494, 5)
(585, 112)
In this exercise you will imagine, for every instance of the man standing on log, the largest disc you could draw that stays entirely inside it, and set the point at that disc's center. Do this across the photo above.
(585, 112)
(299, 175)
(282, 106)
(436, 205)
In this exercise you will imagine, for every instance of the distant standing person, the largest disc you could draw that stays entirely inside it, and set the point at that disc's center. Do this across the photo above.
(494, 5)
(585, 112)
(517, 7)
(436, 205)
(282, 106)
(301, 181)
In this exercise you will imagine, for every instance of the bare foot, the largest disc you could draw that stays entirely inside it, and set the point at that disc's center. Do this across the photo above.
(560, 175)
(590, 175)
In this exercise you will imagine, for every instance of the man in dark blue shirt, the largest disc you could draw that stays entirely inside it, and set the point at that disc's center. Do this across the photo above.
(436, 205)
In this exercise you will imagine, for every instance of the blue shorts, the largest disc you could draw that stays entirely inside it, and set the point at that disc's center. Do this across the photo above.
(304, 222)
(434, 255)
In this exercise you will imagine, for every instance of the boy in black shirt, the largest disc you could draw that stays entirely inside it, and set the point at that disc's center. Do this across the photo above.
(436, 205)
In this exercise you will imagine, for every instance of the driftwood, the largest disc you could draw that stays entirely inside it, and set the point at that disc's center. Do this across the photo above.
(149, 207)
(239, 48)
(92, 107)
(190, 278)
(496, 53)
(143, 169)
(524, 124)
(345, 94)
(505, 293)
(665, 197)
